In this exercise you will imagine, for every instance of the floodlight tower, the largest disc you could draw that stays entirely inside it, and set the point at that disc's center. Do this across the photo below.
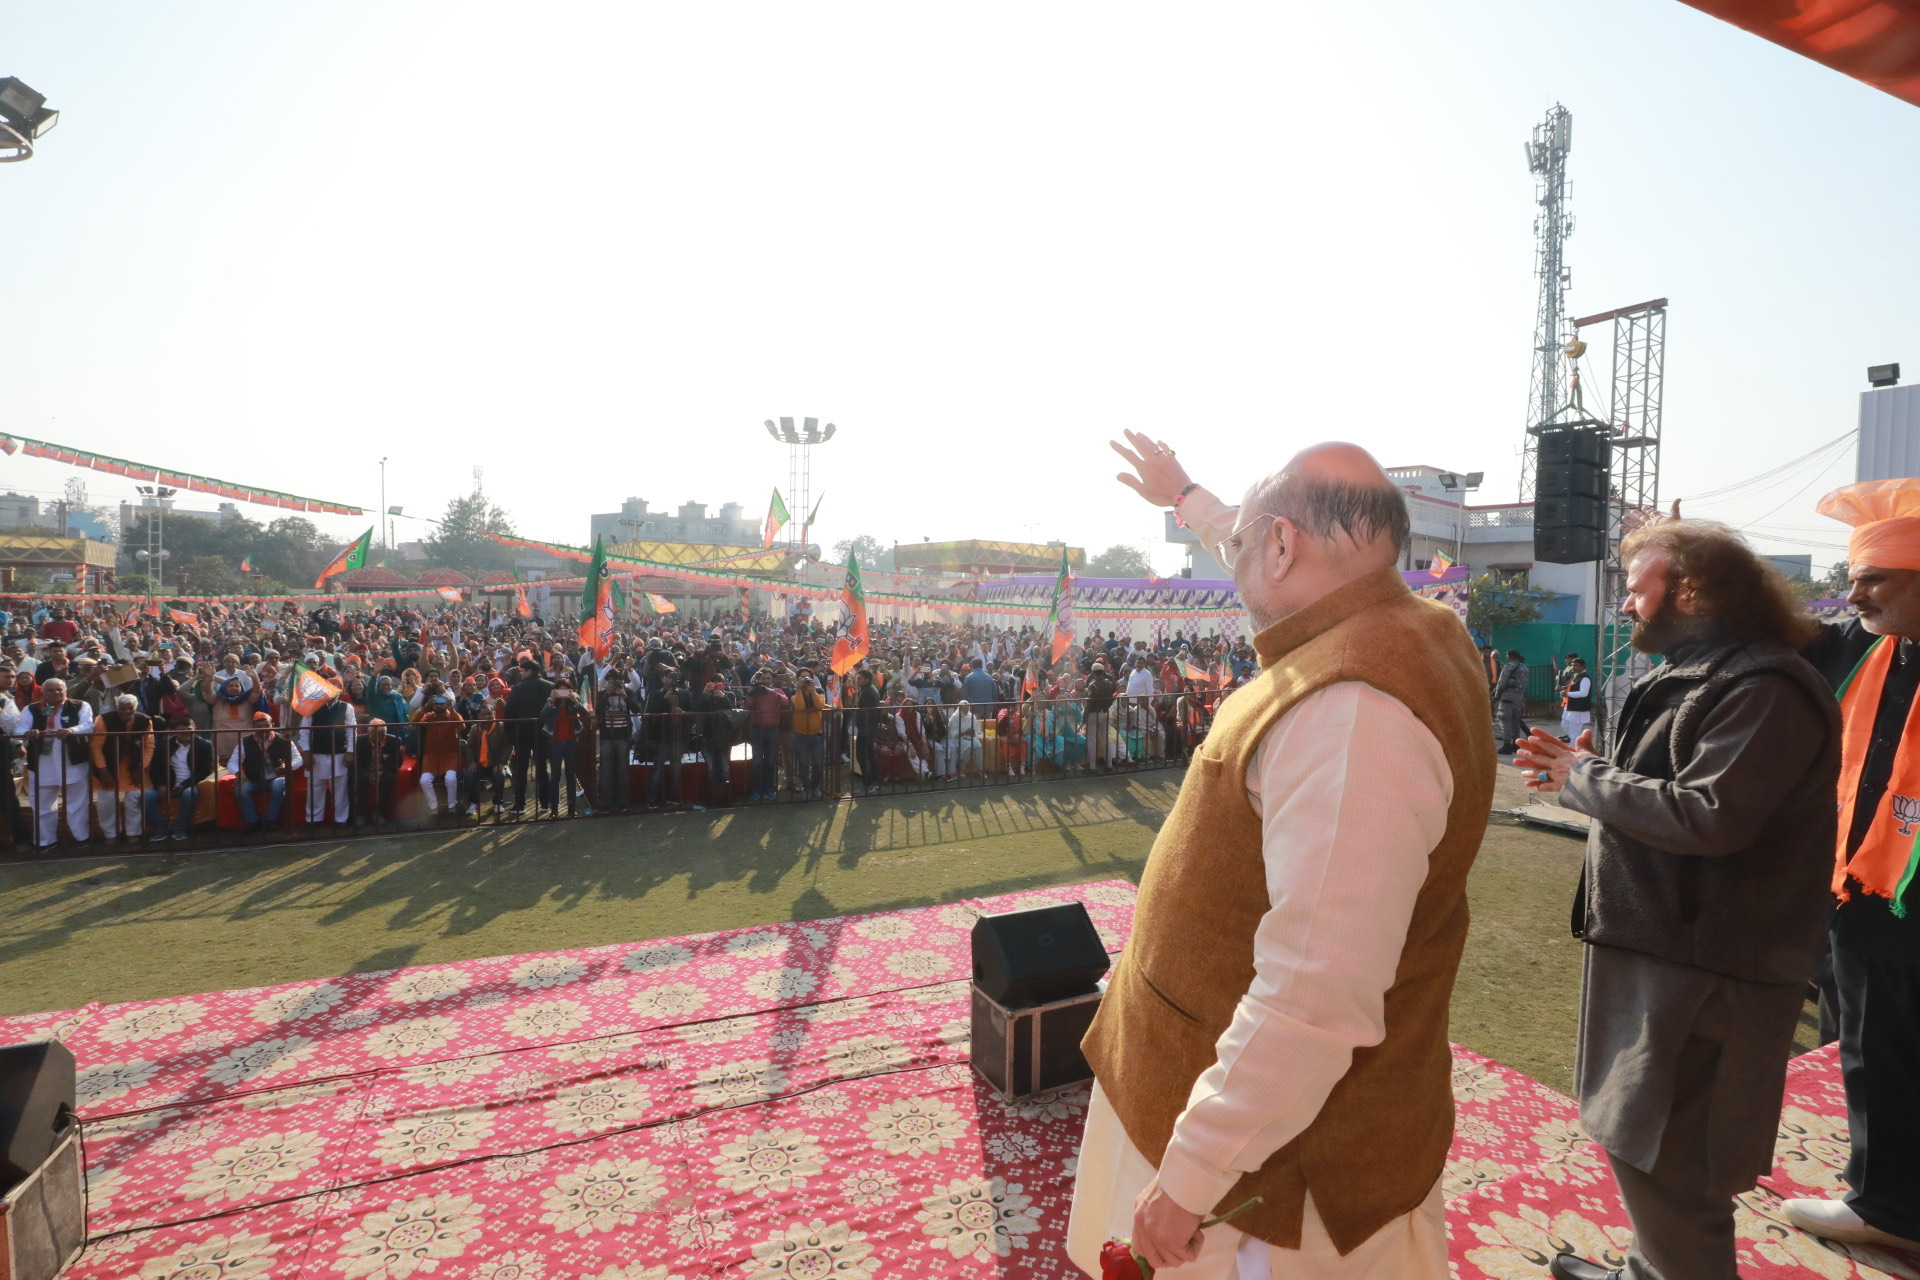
(799, 469)
(1547, 158)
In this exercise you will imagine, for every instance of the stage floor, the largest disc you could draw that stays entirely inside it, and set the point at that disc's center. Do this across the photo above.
(783, 1103)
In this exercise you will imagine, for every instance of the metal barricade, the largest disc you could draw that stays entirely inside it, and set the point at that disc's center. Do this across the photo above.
(116, 782)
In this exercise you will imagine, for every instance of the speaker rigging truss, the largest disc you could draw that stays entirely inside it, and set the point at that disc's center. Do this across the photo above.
(1639, 371)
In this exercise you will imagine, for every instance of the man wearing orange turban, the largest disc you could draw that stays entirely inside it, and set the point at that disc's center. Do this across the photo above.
(1873, 662)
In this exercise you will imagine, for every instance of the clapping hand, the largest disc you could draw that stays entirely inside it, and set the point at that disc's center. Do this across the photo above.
(1547, 760)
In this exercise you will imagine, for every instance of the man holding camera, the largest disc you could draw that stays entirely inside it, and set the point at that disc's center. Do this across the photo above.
(1702, 900)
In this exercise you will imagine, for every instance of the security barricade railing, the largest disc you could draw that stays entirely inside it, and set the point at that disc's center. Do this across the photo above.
(75, 789)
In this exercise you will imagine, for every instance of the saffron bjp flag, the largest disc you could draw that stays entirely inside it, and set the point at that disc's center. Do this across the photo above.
(596, 604)
(851, 648)
(1196, 674)
(184, 618)
(1060, 613)
(520, 605)
(1441, 563)
(806, 526)
(132, 616)
(661, 604)
(8, 445)
(353, 556)
(777, 519)
(310, 690)
(246, 564)
(450, 594)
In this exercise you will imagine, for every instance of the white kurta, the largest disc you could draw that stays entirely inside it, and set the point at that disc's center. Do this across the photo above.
(1352, 792)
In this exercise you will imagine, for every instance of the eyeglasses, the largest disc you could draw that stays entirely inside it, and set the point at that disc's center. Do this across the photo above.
(1227, 550)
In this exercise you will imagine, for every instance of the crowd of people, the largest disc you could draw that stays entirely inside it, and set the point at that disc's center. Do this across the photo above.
(466, 713)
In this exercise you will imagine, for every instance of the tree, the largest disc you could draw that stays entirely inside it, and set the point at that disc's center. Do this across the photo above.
(872, 552)
(1836, 584)
(1120, 561)
(461, 542)
(1494, 601)
(205, 576)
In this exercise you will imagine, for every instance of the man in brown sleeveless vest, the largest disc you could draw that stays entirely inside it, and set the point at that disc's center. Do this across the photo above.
(1277, 1026)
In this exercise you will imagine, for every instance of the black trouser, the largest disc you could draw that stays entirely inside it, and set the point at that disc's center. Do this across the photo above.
(1876, 974)
(530, 760)
(474, 775)
(863, 755)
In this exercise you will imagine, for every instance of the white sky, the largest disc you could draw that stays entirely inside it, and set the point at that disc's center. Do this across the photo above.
(591, 247)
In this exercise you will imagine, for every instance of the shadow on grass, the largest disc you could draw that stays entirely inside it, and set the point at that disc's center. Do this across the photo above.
(456, 883)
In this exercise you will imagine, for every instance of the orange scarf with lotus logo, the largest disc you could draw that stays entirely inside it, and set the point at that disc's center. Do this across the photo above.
(1889, 854)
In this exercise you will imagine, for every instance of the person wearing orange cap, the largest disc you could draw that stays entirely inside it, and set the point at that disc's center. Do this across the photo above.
(1873, 662)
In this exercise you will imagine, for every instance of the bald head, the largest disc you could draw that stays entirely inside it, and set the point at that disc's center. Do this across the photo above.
(1337, 494)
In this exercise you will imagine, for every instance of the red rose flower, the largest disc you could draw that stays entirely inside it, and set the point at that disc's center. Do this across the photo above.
(1118, 1261)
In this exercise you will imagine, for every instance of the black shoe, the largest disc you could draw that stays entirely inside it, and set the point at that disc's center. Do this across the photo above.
(1567, 1266)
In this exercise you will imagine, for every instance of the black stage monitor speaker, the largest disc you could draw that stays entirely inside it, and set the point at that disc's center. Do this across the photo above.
(1034, 957)
(36, 1106)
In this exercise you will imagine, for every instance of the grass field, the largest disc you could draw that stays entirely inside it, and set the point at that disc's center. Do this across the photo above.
(147, 926)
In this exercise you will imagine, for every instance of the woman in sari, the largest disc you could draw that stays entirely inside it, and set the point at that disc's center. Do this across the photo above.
(357, 697)
(233, 705)
(1011, 726)
(913, 719)
(890, 743)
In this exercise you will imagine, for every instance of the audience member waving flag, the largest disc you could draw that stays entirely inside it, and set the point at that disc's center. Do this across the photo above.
(851, 648)
(1060, 615)
(354, 556)
(661, 604)
(597, 615)
(311, 691)
(777, 518)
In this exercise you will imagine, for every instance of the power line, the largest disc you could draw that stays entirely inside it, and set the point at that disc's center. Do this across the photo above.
(1777, 473)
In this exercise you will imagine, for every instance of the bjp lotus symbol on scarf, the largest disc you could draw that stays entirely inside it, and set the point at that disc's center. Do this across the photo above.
(1906, 810)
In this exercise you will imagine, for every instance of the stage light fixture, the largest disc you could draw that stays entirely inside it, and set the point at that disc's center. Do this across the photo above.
(1883, 375)
(24, 116)
(18, 102)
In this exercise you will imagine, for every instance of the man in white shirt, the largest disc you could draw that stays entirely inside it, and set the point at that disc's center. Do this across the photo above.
(60, 762)
(1577, 711)
(1139, 678)
(326, 737)
(1277, 1026)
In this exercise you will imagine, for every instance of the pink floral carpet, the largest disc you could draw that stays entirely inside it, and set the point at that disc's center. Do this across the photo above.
(782, 1103)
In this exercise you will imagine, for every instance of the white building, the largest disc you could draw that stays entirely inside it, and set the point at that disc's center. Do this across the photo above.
(1889, 444)
(634, 522)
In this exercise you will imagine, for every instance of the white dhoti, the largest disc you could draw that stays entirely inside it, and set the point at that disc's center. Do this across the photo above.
(1111, 1172)
(327, 770)
(54, 783)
